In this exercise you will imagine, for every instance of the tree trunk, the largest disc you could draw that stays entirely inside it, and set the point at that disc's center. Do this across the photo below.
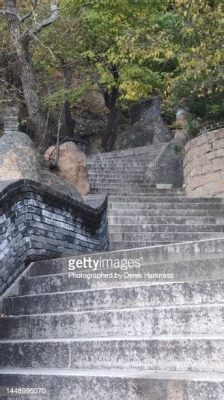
(69, 122)
(113, 116)
(32, 100)
(113, 120)
(21, 42)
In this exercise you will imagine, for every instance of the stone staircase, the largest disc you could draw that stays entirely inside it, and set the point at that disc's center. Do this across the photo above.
(152, 330)
(141, 216)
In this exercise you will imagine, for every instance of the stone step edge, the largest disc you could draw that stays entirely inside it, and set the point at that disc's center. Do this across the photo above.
(111, 289)
(181, 307)
(194, 376)
(152, 265)
(165, 338)
(170, 248)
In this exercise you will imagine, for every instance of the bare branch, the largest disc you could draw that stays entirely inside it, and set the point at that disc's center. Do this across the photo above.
(4, 13)
(47, 21)
(28, 15)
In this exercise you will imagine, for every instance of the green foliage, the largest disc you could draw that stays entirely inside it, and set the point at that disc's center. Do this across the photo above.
(111, 26)
(74, 96)
(198, 80)
(170, 47)
(193, 127)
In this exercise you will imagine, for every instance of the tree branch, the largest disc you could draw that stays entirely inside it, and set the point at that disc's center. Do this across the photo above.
(47, 21)
(28, 15)
(4, 13)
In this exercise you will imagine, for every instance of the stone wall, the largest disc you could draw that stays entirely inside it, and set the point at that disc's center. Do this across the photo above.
(38, 223)
(204, 165)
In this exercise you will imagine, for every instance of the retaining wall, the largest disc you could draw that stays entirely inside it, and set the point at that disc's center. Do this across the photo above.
(204, 165)
(37, 223)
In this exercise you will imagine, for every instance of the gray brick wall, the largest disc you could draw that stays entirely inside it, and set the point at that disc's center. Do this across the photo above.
(37, 223)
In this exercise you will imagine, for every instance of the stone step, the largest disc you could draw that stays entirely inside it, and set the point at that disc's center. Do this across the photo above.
(114, 166)
(103, 177)
(187, 251)
(123, 191)
(116, 245)
(59, 279)
(133, 199)
(128, 212)
(110, 175)
(141, 197)
(172, 220)
(164, 228)
(117, 168)
(156, 294)
(194, 353)
(122, 160)
(117, 384)
(168, 237)
(117, 180)
(130, 151)
(122, 157)
(125, 158)
(144, 322)
(185, 205)
(125, 185)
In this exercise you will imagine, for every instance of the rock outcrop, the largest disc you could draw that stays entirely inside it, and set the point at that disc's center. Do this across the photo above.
(71, 166)
(19, 159)
(167, 167)
(147, 127)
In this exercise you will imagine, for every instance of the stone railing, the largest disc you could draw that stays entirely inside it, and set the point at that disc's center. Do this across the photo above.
(38, 223)
(213, 127)
(204, 165)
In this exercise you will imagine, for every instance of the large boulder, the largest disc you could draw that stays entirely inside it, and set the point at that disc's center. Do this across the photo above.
(147, 127)
(19, 159)
(72, 166)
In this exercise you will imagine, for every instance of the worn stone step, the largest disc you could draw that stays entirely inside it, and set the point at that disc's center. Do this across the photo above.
(125, 185)
(123, 191)
(136, 212)
(105, 178)
(145, 197)
(59, 279)
(110, 384)
(186, 251)
(185, 205)
(156, 294)
(144, 322)
(117, 180)
(116, 245)
(116, 168)
(110, 175)
(152, 193)
(194, 353)
(112, 167)
(131, 151)
(122, 158)
(121, 162)
(162, 236)
(149, 198)
(172, 220)
(164, 228)
(166, 199)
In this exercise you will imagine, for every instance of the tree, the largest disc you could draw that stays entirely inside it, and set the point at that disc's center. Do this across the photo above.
(198, 81)
(24, 29)
(121, 77)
